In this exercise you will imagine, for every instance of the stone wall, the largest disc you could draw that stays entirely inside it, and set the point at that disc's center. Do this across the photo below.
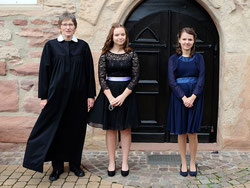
(25, 29)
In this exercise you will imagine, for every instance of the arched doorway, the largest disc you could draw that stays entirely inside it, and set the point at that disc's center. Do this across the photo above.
(152, 27)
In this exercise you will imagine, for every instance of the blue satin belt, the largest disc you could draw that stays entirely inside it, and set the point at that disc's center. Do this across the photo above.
(119, 79)
(186, 80)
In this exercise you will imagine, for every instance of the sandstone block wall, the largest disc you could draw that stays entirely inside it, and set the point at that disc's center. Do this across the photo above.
(25, 29)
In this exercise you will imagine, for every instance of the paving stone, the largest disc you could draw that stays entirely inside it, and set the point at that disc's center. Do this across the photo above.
(95, 178)
(45, 179)
(29, 172)
(211, 166)
(7, 172)
(234, 182)
(239, 186)
(64, 175)
(38, 175)
(10, 182)
(20, 169)
(58, 182)
(19, 185)
(115, 185)
(105, 182)
(34, 181)
(44, 184)
(82, 182)
(225, 184)
(93, 185)
(71, 179)
(215, 186)
(15, 175)
(104, 186)
(24, 178)
(3, 178)
(68, 185)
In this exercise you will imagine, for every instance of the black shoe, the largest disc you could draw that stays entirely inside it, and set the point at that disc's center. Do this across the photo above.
(124, 173)
(111, 173)
(193, 173)
(78, 172)
(55, 174)
(184, 174)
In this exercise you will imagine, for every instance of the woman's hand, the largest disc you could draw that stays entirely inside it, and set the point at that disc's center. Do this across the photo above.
(91, 102)
(43, 103)
(118, 101)
(189, 102)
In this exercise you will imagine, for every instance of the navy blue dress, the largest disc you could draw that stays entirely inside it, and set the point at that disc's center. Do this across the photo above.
(186, 77)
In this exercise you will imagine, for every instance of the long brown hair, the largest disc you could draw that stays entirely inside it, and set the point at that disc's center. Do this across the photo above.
(110, 43)
(190, 31)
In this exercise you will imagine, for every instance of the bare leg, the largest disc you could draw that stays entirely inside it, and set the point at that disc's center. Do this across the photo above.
(111, 140)
(125, 143)
(182, 142)
(193, 143)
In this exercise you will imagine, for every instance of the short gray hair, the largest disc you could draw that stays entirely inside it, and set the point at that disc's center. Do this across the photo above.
(67, 16)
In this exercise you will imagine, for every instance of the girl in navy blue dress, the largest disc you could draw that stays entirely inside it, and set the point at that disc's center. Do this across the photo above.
(186, 74)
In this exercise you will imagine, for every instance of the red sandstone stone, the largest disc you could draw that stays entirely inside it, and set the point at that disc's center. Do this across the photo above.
(39, 36)
(39, 22)
(20, 22)
(2, 68)
(2, 23)
(32, 105)
(54, 22)
(27, 84)
(36, 85)
(15, 61)
(8, 96)
(26, 69)
(37, 42)
(35, 54)
(8, 43)
(16, 129)
(38, 32)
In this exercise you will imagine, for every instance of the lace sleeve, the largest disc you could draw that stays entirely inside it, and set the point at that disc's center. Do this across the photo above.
(102, 72)
(135, 71)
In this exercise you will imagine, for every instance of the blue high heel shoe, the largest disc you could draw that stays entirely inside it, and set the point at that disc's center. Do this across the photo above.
(184, 174)
(193, 173)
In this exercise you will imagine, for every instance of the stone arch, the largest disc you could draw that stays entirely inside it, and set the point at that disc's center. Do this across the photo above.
(231, 19)
(127, 7)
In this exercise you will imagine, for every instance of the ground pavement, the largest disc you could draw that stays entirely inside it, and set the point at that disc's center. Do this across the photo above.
(147, 170)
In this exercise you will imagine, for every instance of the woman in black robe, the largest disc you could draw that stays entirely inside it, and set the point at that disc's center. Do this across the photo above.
(67, 90)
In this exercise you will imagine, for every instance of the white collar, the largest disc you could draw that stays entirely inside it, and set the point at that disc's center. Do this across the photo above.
(60, 38)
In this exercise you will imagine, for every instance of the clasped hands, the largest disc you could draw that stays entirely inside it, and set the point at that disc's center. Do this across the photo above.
(189, 101)
(117, 101)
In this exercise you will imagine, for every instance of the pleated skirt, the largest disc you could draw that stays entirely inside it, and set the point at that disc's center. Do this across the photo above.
(182, 120)
(121, 117)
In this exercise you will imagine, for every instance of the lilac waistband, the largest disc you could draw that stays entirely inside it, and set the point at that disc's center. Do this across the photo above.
(119, 79)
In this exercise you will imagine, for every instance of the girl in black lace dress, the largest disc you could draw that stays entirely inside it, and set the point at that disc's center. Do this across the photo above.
(115, 107)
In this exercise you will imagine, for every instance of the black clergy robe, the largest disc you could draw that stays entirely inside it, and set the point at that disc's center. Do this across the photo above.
(66, 80)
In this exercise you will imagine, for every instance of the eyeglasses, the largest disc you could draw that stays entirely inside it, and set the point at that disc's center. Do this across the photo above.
(65, 25)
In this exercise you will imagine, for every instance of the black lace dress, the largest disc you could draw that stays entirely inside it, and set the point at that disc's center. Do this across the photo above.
(121, 117)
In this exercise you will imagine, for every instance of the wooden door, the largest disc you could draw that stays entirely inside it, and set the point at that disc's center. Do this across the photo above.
(152, 28)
